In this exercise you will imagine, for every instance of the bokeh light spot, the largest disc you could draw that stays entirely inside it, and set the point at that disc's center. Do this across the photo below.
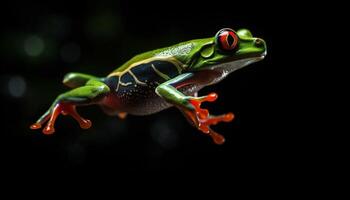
(58, 26)
(164, 134)
(103, 26)
(17, 86)
(34, 46)
(70, 52)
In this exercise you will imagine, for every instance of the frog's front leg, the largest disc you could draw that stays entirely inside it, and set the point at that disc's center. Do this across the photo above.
(190, 105)
(66, 103)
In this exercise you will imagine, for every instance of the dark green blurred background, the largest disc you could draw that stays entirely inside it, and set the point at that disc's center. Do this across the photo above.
(41, 42)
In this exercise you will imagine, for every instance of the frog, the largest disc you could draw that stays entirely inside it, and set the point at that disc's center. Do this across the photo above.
(157, 80)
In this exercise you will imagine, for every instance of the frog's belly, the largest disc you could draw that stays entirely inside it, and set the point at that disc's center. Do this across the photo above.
(141, 100)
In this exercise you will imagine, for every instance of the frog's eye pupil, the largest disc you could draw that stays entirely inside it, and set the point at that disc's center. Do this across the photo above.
(230, 40)
(227, 39)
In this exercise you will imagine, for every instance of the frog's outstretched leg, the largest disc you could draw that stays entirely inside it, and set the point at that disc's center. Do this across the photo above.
(74, 80)
(190, 106)
(66, 104)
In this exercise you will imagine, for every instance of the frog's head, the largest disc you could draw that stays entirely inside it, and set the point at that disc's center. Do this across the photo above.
(227, 51)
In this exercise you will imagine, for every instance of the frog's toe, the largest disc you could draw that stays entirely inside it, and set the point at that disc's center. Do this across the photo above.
(204, 126)
(203, 120)
(35, 126)
(48, 130)
(122, 115)
(41, 121)
(69, 109)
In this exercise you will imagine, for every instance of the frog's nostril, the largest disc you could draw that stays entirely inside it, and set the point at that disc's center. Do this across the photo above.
(259, 42)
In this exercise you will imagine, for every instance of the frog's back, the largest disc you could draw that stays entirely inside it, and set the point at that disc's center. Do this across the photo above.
(133, 84)
(135, 59)
(177, 52)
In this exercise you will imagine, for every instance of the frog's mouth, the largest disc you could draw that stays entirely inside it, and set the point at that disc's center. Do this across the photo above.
(238, 62)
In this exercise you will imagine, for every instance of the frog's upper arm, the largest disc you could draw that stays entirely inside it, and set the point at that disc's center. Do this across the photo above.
(168, 91)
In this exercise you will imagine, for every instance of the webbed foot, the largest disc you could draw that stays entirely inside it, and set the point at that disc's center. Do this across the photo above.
(66, 104)
(202, 118)
(51, 115)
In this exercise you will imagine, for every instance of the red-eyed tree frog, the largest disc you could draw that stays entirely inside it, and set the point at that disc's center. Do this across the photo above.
(158, 79)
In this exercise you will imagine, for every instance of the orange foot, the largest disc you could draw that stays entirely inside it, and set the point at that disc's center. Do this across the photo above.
(203, 120)
(51, 116)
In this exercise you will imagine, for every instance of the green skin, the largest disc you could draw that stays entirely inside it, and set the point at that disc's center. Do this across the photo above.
(198, 63)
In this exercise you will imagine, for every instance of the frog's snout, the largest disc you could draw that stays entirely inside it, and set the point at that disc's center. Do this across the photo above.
(261, 44)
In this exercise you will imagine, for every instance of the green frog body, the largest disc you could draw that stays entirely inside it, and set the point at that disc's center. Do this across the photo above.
(158, 79)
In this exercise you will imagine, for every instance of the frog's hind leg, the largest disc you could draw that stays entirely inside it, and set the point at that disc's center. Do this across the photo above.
(122, 115)
(74, 79)
(66, 104)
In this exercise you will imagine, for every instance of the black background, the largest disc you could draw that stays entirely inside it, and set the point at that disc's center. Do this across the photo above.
(263, 143)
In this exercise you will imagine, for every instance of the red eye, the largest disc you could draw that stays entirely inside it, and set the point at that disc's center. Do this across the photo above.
(227, 39)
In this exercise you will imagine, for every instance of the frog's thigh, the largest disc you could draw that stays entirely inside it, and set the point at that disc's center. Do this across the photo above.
(74, 79)
(85, 94)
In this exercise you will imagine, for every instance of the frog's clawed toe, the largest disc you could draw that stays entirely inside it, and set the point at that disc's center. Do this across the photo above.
(51, 116)
(203, 120)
